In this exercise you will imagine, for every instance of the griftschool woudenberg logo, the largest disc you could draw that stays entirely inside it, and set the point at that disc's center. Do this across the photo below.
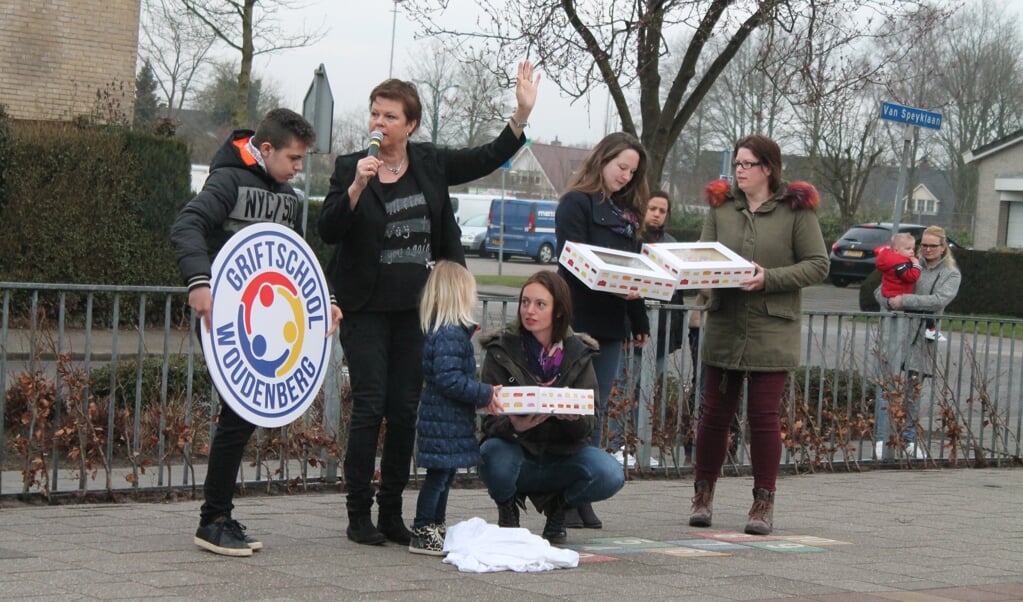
(266, 351)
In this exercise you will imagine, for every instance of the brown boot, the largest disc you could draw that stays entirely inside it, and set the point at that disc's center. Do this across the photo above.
(703, 504)
(761, 515)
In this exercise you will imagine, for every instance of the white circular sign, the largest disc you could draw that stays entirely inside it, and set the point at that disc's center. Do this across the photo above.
(266, 350)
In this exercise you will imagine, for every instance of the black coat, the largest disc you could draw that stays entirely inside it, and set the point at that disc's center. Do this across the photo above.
(237, 193)
(582, 218)
(358, 235)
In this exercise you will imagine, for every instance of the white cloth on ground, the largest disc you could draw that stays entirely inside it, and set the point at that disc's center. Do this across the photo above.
(477, 547)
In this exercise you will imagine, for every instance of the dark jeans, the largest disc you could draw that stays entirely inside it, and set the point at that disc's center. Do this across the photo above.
(432, 505)
(606, 364)
(384, 351)
(229, 440)
(722, 392)
(588, 475)
(226, 450)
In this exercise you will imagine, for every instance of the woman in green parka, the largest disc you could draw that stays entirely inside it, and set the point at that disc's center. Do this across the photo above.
(752, 332)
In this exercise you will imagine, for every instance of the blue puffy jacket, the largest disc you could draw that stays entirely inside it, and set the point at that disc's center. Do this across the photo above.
(447, 411)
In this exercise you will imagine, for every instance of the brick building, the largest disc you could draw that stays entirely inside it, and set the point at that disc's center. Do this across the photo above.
(56, 55)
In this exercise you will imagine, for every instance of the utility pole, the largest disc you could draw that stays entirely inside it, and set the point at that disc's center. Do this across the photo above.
(394, 24)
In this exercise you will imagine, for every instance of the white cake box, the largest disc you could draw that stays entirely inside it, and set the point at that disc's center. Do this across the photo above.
(546, 400)
(700, 264)
(620, 272)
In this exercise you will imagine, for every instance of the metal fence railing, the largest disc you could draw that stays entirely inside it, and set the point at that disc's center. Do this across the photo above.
(104, 389)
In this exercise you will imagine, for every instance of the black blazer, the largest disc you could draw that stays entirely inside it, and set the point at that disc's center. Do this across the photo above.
(359, 234)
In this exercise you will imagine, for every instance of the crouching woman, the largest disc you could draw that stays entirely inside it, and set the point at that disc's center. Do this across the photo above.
(547, 457)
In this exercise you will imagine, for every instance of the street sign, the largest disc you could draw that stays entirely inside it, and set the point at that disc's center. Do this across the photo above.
(910, 115)
(318, 109)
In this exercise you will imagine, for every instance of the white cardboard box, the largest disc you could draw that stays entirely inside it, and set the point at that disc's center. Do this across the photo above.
(700, 264)
(613, 271)
(546, 400)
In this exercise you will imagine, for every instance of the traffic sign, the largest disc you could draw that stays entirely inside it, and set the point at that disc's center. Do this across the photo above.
(910, 115)
(318, 110)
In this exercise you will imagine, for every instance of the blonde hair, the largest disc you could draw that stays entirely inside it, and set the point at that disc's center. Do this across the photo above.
(449, 297)
(939, 232)
(903, 237)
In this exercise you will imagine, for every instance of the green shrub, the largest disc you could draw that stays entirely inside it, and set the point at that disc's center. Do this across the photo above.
(5, 150)
(839, 389)
(127, 373)
(90, 205)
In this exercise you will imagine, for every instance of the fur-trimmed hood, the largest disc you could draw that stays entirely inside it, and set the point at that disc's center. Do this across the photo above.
(796, 195)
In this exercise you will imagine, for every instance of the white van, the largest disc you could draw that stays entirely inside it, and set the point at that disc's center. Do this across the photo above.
(467, 206)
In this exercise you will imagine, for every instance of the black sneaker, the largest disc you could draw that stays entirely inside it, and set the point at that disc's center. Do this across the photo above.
(222, 536)
(253, 543)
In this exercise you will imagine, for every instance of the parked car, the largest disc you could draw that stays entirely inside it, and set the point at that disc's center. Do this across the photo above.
(528, 229)
(474, 233)
(852, 255)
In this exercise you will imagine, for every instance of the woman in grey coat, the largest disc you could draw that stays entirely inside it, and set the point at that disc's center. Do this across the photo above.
(936, 288)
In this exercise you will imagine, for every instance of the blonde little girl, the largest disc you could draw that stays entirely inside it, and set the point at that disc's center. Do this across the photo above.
(447, 411)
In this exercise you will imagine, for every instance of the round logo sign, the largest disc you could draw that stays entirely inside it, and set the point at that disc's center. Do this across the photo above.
(266, 350)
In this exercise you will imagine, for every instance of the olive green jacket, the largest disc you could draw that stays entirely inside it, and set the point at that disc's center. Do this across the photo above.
(760, 331)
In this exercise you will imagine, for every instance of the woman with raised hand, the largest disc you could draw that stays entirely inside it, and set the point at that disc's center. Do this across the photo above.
(390, 218)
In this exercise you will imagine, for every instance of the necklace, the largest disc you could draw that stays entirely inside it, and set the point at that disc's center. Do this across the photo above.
(397, 169)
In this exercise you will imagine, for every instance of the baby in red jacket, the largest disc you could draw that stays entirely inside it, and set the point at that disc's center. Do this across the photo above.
(900, 269)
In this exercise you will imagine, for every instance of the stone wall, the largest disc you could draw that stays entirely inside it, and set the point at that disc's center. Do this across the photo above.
(56, 56)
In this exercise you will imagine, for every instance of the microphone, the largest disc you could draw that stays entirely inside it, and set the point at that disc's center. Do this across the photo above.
(375, 138)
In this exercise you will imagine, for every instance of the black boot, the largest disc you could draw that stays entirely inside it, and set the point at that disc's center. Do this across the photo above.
(554, 529)
(361, 530)
(589, 517)
(508, 512)
(572, 519)
(393, 528)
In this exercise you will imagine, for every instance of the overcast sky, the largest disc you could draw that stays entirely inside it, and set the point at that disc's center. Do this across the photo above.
(356, 53)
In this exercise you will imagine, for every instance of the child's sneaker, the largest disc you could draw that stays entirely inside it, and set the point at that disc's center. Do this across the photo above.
(427, 540)
(932, 334)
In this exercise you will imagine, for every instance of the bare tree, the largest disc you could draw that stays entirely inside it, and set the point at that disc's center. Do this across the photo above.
(848, 151)
(251, 27)
(481, 105)
(619, 44)
(217, 97)
(464, 101)
(980, 54)
(350, 131)
(435, 73)
(746, 98)
(913, 82)
(177, 46)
